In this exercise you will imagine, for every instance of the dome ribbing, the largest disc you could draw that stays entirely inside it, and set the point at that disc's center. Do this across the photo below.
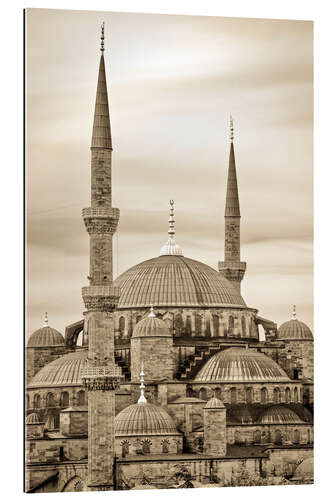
(144, 419)
(294, 330)
(63, 371)
(279, 415)
(46, 337)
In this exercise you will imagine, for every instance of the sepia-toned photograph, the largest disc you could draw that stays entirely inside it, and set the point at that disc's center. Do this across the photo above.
(169, 251)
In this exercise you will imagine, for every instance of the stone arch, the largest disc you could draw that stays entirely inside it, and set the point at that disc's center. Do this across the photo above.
(178, 324)
(188, 327)
(27, 401)
(165, 446)
(125, 448)
(257, 437)
(81, 398)
(146, 444)
(207, 326)
(64, 399)
(296, 436)
(296, 395)
(189, 391)
(216, 325)
(121, 326)
(50, 401)
(203, 393)
(277, 395)
(288, 395)
(231, 325)
(74, 484)
(37, 401)
(198, 324)
(249, 395)
(218, 392)
(277, 436)
(243, 326)
(263, 396)
(233, 395)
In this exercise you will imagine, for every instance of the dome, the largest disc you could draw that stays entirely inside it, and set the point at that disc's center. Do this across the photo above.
(144, 419)
(280, 415)
(174, 280)
(214, 404)
(294, 330)
(46, 337)
(151, 327)
(241, 365)
(63, 371)
(32, 418)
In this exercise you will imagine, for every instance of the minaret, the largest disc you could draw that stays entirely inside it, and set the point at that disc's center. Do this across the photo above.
(232, 268)
(101, 375)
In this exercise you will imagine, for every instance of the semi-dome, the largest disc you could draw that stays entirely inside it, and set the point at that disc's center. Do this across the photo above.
(238, 364)
(279, 415)
(46, 337)
(63, 371)
(32, 418)
(214, 404)
(294, 330)
(144, 419)
(151, 326)
(174, 280)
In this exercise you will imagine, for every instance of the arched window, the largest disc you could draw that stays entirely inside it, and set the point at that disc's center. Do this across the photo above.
(124, 448)
(277, 437)
(249, 395)
(81, 398)
(198, 324)
(188, 325)
(288, 395)
(233, 395)
(277, 395)
(238, 439)
(231, 325)
(203, 393)
(27, 401)
(178, 325)
(121, 326)
(257, 437)
(146, 446)
(263, 396)
(296, 438)
(309, 436)
(37, 401)
(217, 392)
(189, 391)
(243, 326)
(165, 446)
(64, 399)
(50, 400)
(208, 330)
(216, 325)
(301, 395)
(295, 395)
(138, 318)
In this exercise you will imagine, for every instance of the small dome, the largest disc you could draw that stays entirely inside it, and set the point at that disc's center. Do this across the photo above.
(32, 418)
(294, 330)
(151, 327)
(237, 364)
(144, 419)
(46, 337)
(63, 371)
(304, 471)
(280, 415)
(214, 403)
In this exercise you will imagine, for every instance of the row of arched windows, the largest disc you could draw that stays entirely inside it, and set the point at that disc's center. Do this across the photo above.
(276, 437)
(64, 400)
(145, 447)
(249, 394)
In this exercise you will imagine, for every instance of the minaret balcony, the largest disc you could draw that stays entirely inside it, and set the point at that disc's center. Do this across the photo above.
(101, 220)
(101, 297)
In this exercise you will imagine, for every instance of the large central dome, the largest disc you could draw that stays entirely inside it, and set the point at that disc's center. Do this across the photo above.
(174, 280)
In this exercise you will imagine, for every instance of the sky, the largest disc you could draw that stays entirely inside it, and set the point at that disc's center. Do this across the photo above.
(173, 81)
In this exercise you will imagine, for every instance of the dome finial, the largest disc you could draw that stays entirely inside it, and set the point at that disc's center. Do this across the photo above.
(152, 313)
(102, 37)
(231, 129)
(142, 398)
(294, 312)
(46, 320)
(171, 247)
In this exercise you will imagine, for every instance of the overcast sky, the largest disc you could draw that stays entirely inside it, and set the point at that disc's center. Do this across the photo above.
(173, 81)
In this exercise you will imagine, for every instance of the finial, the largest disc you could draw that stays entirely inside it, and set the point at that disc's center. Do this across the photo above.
(171, 247)
(142, 398)
(102, 37)
(294, 312)
(171, 230)
(231, 129)
(151, 314)
(46, 320)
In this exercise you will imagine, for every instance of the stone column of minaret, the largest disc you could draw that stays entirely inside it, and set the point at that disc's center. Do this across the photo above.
(232, 268)
(101, 375)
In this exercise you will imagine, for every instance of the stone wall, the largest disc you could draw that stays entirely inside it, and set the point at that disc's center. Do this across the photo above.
(157, 356)
(146, 445)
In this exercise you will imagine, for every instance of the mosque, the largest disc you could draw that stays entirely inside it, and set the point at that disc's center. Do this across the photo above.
(172, 386)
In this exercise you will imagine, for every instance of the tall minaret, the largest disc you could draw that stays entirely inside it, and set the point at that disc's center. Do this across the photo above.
(101, 375)
(232, 268)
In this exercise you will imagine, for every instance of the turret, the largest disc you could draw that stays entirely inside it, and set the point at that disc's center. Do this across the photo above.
(215, 432)
(232, 268)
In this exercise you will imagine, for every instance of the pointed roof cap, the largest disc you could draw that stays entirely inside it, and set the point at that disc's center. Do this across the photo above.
(232, 201)
(101, 135)
(171, 247)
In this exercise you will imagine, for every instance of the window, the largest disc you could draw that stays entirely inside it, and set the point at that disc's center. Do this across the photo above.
(295, 395)
(257, 437)
(124, 448)
(249, 395)
(277, 437)
(296, 439)
(81, 398)
(288, 395)
(178, 324)
(233, 395)
(27, 402)
(121, 326)
(208, 330)
(263, 396)
(50, 400)
(231, 325)
(189, 392)
(198, 324)
(146, 446)
(216, 325)
(217, 392)
(243, 326)
(138, 318)
(165, 446)
(188, 325)
(37, 401)
(238, 439)
(64, 400)
(203, 393)
(277, 395)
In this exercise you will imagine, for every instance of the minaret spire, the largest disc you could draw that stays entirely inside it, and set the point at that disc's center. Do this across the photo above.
(171, 247)
(142, 398)
(294, 312)
(46, 320)
(232, 268)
